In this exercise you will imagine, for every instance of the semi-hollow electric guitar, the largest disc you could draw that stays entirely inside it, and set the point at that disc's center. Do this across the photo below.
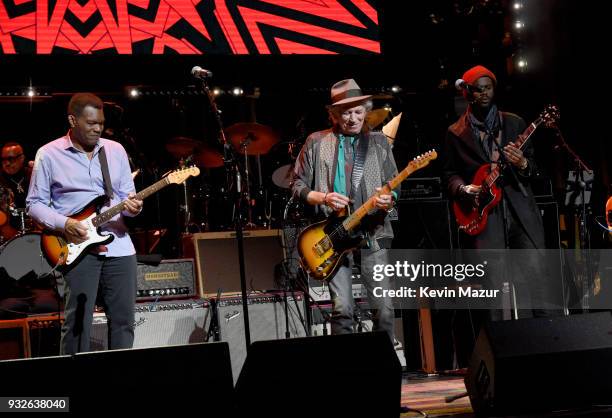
(322, 245)
(61, 253)
(473, 219)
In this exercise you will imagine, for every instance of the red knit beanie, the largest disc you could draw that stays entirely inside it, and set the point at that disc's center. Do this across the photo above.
(474, 73)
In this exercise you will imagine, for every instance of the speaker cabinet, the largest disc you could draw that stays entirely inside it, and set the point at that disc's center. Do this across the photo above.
(159, 324)
(542, 364)
(423, 224)
(14, 341)
(218, 266)
(321, 376)
(266, 321)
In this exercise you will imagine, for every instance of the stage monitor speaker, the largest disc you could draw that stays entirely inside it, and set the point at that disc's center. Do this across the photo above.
(542, 364)
(160, 323)
(165, 380)
(42, 376)
(266, 321)
(166, 280)
(217, 260)
(315, 375)
(168, 380)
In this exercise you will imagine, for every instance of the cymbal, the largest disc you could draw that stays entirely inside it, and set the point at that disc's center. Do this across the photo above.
(382, 96)
(254, 137)
(376, 116)
(208, 157)
(182, 146)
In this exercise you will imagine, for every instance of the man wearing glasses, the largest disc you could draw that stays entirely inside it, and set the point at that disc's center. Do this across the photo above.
(15, 174)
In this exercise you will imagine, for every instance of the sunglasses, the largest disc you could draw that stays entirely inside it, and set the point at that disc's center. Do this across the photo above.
(12, 159)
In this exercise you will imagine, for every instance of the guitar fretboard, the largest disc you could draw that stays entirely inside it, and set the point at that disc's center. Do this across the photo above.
(520, 142)
(355, 218)
(107, 215)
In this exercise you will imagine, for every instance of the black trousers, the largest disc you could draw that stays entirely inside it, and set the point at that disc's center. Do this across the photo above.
(112, 282)
(537, 293)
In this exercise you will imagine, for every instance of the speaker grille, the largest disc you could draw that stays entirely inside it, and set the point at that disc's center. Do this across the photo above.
(160, 323)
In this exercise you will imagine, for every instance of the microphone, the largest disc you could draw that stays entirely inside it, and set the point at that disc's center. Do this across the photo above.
(460, 84)
(199, 72)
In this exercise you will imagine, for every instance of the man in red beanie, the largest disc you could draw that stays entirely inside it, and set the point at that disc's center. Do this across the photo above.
(484, 135)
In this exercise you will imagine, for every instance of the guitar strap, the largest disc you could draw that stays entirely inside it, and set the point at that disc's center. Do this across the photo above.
(108, 187)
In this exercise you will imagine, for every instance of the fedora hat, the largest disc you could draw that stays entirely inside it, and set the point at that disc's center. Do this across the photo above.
(347, 91)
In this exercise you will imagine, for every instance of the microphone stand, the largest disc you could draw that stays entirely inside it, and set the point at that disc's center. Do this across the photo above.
(584, 238)
(507, 166)
(232, 172)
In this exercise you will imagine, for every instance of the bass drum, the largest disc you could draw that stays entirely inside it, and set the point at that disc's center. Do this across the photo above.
(6, 200)
(23, 255)
(280, 163)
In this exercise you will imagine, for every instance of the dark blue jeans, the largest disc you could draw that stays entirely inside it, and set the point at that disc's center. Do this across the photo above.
(111, 281)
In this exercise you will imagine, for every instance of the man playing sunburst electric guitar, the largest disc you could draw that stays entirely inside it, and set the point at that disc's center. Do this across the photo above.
(339, 169)
(69, 174)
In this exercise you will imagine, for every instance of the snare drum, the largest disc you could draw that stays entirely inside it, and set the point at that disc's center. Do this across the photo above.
(22, 255)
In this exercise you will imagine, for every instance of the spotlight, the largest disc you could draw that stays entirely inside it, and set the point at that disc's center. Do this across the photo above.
(518, 6)
(519, 25)
(134, 92)
(387, 107)
(217, 91)
(31, 92)
(237, 91)
(396, 89)
(522, 63)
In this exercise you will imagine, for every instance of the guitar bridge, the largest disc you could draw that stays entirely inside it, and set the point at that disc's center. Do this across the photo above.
(329, 261)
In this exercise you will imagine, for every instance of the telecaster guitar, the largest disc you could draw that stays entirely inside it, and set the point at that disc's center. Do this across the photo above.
(323, 245)
(473, 219)
(65, 254)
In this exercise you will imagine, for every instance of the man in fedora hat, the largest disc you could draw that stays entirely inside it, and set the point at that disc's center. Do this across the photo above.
(342, 167)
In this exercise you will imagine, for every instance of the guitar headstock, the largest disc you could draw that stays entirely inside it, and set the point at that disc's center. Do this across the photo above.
(182, 174)
(423, 159)
(550, 116)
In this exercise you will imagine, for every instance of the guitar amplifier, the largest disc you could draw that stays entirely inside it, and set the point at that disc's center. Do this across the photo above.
(169, 279)
(421, 188)
(160, 323)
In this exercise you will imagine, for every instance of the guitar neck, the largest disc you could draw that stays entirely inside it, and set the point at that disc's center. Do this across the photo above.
(141, 195)
(355, 218)
(519, 142)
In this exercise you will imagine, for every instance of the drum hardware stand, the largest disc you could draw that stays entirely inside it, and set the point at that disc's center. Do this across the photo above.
(247, 194)
(579, 200)
(233, 172)
(183, 162)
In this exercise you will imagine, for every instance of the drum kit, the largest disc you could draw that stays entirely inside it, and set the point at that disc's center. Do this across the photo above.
(266, 166)
(20, 251)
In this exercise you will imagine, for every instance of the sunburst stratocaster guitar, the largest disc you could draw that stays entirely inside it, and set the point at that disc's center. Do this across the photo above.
(322, 245)
(473, 219)
(64, 254)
